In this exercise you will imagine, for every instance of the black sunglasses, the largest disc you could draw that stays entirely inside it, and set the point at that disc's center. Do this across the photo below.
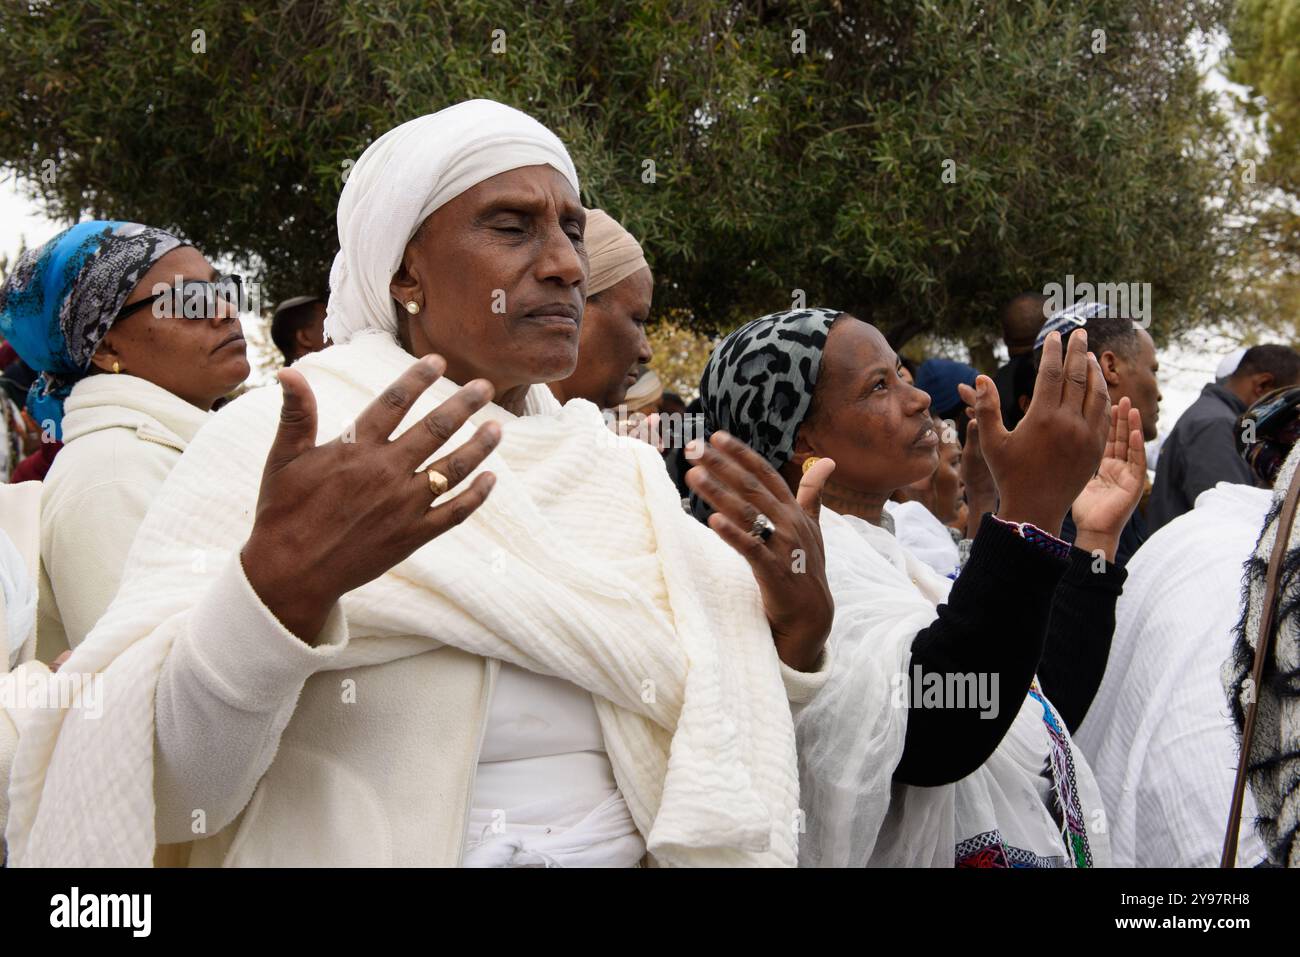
(191, 299)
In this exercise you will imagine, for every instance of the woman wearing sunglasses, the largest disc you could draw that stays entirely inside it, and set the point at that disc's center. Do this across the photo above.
(133, 338)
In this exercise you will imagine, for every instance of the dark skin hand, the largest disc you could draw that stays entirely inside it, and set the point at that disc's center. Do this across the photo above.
(309, 515)
(739, 484)
(1104, 506)
(1042, 465)
(981, 490)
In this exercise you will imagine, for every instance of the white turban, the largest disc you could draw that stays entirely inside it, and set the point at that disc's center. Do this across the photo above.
(403, 177)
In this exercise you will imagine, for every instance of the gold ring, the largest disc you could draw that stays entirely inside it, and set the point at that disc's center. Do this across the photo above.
(437, 482)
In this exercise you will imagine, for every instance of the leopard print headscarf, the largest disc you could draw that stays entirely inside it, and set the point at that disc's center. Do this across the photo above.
(758, 384)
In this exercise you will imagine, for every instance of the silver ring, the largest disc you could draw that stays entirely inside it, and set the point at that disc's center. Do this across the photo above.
(762, 528)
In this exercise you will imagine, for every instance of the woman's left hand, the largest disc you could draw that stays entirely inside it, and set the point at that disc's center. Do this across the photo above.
(1106, 502)
(790, 566)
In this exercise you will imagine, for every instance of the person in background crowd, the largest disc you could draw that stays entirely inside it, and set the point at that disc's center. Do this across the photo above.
(1268, 439)
(22, 436)
(1022, 317)
(298, 327)
(644, 394)
(638, 413)
(1157, 735)
(612, 345)
(676, 437)
(125, 383)
(939, 379)
(1228, 364)
(1127, 356)
(931, 518)
(36, 466)
(1200, 451)
(907, 370)
(885, 780)
(941, 492)
(670, 403)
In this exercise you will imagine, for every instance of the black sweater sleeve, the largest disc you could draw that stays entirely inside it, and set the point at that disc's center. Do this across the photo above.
(992, 628)
(1079, 634)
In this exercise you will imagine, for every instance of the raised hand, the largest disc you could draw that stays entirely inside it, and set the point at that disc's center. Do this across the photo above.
(981, 489)
(1106, 502)
(1043, 464)
(790, 567)
(332, 517)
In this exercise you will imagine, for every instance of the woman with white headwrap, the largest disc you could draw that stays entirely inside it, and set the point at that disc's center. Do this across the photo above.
(307, 663)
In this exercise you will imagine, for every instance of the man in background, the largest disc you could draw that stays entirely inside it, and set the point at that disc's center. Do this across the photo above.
(1201, 450)
(1021, 319)
(1127, 356)
(298, 327)
(1160, 741)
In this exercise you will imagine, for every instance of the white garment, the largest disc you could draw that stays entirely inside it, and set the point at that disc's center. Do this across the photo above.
(1158, 733)
(580, 564)
(405, 175)
(20, 561)
(924, 536)
(20, 518)
(851, 735)
(18, 597)
(122, 437)
(543, 772)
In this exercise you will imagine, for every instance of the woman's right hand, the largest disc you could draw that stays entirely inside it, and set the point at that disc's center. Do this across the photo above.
(331, 518)
(1043, 464)
(977, 479)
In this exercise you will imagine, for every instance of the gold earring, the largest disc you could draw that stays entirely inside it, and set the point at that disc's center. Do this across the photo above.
(117, 367)
(809, 462)
(412, 306)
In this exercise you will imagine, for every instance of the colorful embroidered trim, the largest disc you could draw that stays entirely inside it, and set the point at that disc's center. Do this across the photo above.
(1064, 786)
(1038, 538)
(991, 850)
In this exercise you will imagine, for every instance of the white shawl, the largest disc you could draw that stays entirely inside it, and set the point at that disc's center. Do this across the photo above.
(851, 736)
(580, 565)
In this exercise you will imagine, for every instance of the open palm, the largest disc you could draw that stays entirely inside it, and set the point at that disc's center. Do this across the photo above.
(1107, 501)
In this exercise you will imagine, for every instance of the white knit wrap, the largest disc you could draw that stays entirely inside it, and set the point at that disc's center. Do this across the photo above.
(580, 565)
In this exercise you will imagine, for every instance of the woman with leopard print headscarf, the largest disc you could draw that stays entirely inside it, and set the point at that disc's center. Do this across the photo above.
(933, 743)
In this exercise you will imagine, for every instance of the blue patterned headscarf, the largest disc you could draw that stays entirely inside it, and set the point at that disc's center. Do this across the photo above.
(61, 299)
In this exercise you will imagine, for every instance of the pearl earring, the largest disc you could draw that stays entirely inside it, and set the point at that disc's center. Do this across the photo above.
(412, 306)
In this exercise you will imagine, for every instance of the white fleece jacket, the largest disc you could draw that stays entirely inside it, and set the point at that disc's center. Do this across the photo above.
(122, 436)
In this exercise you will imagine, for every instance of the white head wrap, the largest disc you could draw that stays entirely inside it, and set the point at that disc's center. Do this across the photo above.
(1228, 365)
(403, 177)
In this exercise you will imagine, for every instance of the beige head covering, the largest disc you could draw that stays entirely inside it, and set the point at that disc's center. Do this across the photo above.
(647, 391)
(612, 252)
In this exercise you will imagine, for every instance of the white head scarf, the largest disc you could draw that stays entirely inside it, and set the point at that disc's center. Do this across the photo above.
(403, 177)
